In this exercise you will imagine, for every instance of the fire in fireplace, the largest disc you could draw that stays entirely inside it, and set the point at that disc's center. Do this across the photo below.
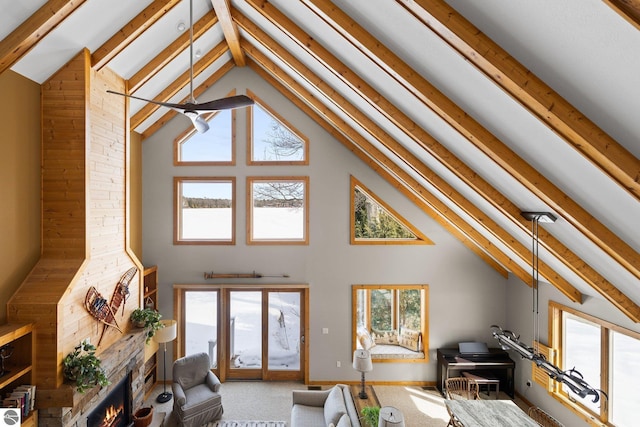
(115, 408)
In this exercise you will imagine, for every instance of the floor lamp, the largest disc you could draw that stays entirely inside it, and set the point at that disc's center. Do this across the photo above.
(362, 363)
(166, 334)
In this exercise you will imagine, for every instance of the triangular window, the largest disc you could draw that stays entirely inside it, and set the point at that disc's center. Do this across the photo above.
(373, 222)
(273, 141)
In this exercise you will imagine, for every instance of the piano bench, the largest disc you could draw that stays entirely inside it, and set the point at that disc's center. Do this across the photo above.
(488, 380)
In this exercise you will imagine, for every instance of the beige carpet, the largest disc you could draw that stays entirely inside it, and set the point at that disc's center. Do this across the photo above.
(243, 400)
(424, 408)
(231, 423)
(256, 400)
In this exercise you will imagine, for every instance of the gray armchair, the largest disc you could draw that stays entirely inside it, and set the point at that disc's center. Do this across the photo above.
(196, 400)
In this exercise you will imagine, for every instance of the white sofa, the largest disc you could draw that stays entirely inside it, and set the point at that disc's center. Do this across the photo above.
(322, 408)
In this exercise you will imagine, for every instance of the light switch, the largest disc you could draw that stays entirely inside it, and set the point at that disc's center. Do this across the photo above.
(325, 331)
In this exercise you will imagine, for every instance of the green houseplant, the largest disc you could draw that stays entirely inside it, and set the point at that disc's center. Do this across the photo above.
(370, 415)
(83, 367)
(147, 318)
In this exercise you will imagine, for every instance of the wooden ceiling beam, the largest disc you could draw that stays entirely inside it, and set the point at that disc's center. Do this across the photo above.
(217, 75)
(35, 28)
(480, 137)
(572, 261)
(531, 92)
(171, 52)
(127, 34)
(380, 163)
(628, 9)
(230, 30)
(178, 84)
(404, 155)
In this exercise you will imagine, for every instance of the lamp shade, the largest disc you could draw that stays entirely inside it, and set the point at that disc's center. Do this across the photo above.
(167, 333)
(390, 417)
(362, 361)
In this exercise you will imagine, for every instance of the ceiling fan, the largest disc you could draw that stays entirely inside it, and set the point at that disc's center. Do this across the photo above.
(191, 108)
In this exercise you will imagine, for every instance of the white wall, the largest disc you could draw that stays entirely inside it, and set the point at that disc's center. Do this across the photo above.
(466, 295)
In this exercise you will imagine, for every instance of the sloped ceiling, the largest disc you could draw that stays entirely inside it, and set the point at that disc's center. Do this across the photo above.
(475, 110)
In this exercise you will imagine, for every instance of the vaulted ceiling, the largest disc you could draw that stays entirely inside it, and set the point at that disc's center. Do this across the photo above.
(476, 111)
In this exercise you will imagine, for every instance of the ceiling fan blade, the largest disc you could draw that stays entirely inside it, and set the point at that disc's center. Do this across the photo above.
(228, 103)
(179, 107)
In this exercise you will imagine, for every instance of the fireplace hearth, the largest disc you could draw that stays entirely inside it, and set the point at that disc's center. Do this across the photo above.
(115, 408)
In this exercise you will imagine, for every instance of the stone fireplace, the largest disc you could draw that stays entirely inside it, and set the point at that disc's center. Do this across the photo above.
(123, 363)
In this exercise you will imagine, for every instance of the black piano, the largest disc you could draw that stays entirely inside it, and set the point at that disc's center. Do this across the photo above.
(496, 362)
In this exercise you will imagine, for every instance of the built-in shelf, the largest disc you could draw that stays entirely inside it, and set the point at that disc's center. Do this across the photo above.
(19, 340)
(150, 298)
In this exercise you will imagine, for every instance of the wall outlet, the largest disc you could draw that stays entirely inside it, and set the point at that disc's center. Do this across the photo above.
(338, 364)
(528, 383)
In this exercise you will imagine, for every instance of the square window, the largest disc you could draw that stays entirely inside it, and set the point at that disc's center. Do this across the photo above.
(204, 210)
(278, 210)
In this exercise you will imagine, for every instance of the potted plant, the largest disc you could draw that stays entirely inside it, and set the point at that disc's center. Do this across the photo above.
(147, 318)
(83, 367)
(370, 415)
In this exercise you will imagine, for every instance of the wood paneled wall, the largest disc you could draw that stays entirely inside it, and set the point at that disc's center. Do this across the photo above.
(84, 191)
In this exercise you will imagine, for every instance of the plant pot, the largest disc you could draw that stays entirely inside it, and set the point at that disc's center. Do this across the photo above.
(138, 323)
(143, 417)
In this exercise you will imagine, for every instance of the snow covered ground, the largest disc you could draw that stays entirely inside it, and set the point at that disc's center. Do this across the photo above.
(268, 223)
(246, 330)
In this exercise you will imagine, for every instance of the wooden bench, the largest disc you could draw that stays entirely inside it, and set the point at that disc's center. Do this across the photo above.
(487, 379)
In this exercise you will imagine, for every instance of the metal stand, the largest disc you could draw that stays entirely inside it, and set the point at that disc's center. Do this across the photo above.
(363, 393)
(165, 396)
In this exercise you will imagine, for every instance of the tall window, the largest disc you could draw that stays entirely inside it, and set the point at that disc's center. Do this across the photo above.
(278, 210)
(606, 355)
(248, 331)
(204, 210)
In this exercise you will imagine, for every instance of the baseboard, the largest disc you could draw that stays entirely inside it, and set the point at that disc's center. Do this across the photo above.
(396, 383)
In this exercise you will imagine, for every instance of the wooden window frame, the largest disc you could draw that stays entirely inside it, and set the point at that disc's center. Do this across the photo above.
(177, 218)
(424, 319)
(179, 290)
(249, 214)
(421, 238)
(556, 332)
(283, 122)
(189, 131)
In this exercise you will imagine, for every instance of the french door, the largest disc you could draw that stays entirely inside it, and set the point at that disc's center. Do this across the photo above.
(248, 332)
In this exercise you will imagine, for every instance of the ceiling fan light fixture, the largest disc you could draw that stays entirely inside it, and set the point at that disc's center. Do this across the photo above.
(199, 123)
